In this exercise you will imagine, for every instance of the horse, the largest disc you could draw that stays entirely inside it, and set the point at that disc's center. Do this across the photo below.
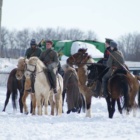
(13, 86)
(26, 83)
(43, 90)
(80, 59)
(121, 83)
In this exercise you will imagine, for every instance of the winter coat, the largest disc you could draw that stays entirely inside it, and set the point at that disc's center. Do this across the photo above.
(32, 52)
(72, 89)
(50, 58)
(116, 59)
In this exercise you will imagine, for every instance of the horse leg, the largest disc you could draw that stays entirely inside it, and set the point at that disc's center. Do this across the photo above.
(46, 105)
(52, 104)
(109, 106)
(24, 101)
(33, 103)
(20, 102)
(63, 98)
(88, 106)
(113, 108)
(119, 106)
(39, 106)
(31, 106)
(7, 99)
(58, 103)
(134, 109)
(14, 99)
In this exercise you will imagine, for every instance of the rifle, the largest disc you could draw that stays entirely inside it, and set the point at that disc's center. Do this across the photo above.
(60, 49)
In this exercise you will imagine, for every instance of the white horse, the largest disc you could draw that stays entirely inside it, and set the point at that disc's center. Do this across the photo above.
(42, 87)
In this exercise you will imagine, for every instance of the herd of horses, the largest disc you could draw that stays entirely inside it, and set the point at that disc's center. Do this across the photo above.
(122, 85)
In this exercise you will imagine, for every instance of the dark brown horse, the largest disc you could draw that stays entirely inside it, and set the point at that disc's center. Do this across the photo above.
(121, 84)
(79, 59)
(13, 86)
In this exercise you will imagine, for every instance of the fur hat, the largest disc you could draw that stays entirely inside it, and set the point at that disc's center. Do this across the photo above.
(113, 44)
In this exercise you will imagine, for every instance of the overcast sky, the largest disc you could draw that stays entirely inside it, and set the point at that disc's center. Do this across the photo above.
(107, 18)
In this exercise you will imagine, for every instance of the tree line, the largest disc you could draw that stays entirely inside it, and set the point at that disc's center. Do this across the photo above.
(14, 43)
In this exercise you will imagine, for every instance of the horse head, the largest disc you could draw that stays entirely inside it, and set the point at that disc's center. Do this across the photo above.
(21, 67)
(82, 50)
(78, 59)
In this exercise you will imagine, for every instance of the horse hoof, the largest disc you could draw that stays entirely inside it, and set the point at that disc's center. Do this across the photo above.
(120, 111)
(26, 113)
(68, 112)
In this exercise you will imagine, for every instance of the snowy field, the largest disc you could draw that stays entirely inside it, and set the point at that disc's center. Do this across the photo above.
(17, 126)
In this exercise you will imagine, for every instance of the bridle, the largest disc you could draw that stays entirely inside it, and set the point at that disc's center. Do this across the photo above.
(33, 72)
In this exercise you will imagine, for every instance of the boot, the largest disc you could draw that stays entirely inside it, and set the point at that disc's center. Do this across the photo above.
(104, 87)
(97, 90)
(53, 76)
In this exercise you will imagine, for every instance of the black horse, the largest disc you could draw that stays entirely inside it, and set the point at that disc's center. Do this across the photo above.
(117, 86)
(13, 86)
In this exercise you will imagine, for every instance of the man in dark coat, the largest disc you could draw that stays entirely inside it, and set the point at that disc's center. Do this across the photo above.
(33, 50)
(72, 89)
(51, 60)
(115, 61)
(103, 61)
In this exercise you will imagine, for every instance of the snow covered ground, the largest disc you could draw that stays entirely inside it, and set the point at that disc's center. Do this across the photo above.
(17, 126)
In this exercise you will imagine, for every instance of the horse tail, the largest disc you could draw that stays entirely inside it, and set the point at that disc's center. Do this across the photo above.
(138, 78)
(125, 90)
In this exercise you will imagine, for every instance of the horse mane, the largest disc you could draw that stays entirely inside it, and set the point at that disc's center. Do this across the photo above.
(35, 60)
(21, 63)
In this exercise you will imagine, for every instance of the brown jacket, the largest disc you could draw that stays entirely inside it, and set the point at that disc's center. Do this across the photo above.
(116, 59)
(49, 57)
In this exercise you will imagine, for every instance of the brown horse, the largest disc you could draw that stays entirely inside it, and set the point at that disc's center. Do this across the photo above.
(27, 87)
(26, 84)
(80, 59)
(121, 83)
(13, 86)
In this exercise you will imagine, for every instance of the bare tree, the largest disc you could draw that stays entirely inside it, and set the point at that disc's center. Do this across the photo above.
(1, 3)
(4, 41)
(23, 38)
(90, 35)
(129, 44)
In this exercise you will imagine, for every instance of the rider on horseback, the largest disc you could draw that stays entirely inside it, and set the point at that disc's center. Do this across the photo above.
(103, 61)
(50, 59)
(33, 50)
(115, 61)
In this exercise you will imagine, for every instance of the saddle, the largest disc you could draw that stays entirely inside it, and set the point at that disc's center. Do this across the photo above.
(119, 71)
